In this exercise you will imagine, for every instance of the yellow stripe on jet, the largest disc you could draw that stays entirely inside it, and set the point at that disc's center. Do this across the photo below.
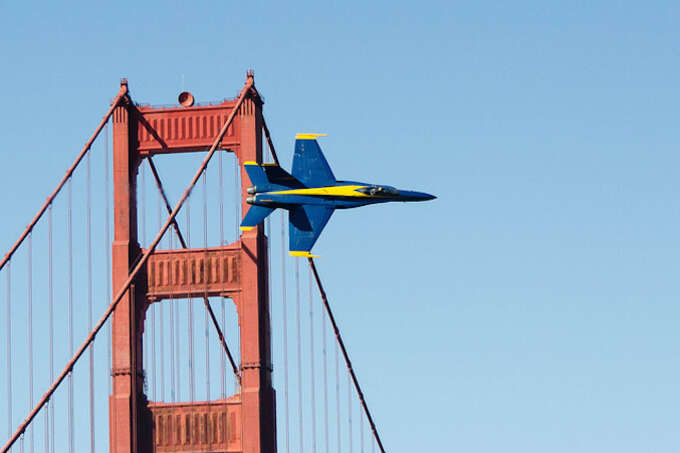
(303, 254)
(309, 136)
(342, 191)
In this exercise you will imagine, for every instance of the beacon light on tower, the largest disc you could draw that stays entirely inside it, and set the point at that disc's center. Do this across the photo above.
(310, 194)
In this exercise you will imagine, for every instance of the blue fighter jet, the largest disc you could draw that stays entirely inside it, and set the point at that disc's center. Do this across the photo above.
(310, 194)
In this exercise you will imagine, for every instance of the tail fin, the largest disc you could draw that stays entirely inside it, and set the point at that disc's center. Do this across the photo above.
(255, 215)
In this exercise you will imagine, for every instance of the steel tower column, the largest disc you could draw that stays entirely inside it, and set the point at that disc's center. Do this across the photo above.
(257, 395)
(124, 407)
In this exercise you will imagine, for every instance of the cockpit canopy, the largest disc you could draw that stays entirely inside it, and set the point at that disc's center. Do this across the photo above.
(385, 191)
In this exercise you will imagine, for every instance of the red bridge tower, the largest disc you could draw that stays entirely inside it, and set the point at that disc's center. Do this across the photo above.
(245, 422)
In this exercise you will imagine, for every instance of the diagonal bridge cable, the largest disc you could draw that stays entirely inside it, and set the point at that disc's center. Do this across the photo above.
(344, 353)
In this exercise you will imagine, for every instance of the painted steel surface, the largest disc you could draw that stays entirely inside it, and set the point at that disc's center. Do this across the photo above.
(311, 194)
(239, 270)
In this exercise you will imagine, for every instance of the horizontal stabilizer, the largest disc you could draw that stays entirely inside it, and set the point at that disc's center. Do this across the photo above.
(255, 215)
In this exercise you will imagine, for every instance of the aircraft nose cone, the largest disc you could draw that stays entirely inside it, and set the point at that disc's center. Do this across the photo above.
(410, 195)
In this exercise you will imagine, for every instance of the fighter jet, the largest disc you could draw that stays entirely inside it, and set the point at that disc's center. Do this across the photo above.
(310, 194)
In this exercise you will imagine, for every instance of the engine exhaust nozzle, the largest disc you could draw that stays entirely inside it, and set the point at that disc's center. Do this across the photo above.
(250, 200)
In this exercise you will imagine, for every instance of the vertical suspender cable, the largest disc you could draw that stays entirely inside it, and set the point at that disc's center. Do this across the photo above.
(172, 333)
(205, 279)
(153, 352)
(299, 352)
(8, 331)
(69, 228)
(142, 231)
(151, 372)
(142, 203)
(285, 331)
(190, 310)
(107, 250)
(50, 301)
(161, 339)
(177, 362)
(268, 235)
(31, 438)
(325, 382)
(311, 360)
(46, 426)
(161, 345)
(349, 412)
(88, 202)
(237, 230)
(361, 432)
(223, 374)
(337, 397)
(237, 197)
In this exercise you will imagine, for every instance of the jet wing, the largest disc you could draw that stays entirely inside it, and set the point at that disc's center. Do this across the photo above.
(305, 225)
(309, 164)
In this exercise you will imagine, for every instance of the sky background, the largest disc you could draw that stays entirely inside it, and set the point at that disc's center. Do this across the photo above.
(533, 306)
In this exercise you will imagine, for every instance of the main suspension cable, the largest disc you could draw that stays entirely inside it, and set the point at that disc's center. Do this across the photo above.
(345, 354)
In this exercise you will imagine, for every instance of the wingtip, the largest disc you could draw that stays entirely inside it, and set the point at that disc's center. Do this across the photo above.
(309, 136)
(303, 254)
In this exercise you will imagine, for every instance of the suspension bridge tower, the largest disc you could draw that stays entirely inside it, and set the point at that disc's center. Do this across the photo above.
(144, 279)
(246, 421)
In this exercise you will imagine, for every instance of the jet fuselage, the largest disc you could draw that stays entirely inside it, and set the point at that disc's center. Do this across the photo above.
(342, 195)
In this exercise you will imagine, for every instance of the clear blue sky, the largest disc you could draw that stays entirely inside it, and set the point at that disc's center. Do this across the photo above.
(534, 305)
